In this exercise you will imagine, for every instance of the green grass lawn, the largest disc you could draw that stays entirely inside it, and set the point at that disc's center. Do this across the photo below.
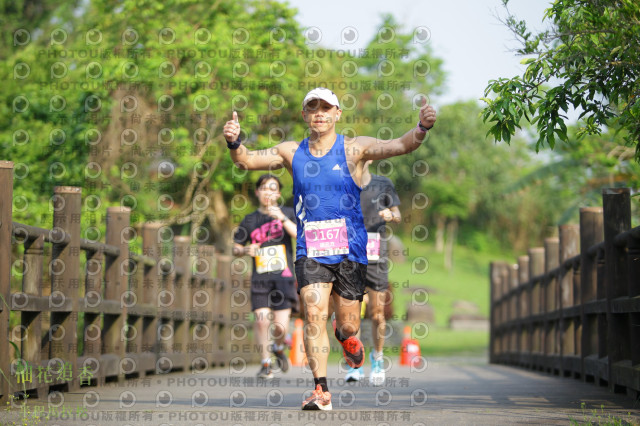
(444, 342)
(468, 280)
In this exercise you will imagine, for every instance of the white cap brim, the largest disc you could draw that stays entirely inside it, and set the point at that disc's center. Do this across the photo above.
(322, 94)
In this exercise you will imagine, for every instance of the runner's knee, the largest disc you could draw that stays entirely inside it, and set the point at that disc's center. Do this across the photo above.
(315, 314)
(262, 321)
(377, 315)
(348, 329)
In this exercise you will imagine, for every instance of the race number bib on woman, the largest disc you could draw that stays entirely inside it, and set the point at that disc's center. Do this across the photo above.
(271, 259)
(326, 237)
(373, 246)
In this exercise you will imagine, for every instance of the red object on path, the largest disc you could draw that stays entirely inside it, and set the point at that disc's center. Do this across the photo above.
(409, 349)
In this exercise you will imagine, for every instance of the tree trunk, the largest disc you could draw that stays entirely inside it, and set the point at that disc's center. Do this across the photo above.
(452, 230)
(440, 222)
(222, 224)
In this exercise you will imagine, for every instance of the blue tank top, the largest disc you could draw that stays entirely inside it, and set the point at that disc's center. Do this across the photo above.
(323, 189)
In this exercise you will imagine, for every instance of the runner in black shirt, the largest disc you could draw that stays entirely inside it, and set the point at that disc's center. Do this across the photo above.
(266, 236)
(379, 202)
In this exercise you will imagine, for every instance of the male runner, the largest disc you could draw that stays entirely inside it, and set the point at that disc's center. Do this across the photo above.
(268, 232)
(331, 254)
(379, 202)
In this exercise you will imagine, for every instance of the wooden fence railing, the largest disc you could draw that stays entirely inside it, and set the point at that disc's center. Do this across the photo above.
(572, 307)
(166, 309)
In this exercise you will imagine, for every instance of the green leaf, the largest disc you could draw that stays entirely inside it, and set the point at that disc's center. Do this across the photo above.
(562, 135)
(16, 348)
(551, 140)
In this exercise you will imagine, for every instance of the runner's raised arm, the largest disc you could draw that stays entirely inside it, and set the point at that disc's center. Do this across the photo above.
(245, 159)
(376, 149)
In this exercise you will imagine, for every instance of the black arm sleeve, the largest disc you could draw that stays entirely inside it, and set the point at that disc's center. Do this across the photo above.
(241, 235)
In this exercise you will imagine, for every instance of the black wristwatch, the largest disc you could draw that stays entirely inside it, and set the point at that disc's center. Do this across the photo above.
(422, 128)
(234, 145)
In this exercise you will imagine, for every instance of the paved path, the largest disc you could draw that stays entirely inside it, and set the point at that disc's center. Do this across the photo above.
(448, 391)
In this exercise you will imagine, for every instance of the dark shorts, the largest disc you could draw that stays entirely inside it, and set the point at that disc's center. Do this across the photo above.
(274, 294)
(377, 276)
(348, 277)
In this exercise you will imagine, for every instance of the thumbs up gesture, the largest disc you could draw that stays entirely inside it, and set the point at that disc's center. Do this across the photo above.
(231, 129)
(427, 114)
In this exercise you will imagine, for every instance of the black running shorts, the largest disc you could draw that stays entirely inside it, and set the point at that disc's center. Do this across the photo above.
(274, 294)
(377, 276)
(348, 277)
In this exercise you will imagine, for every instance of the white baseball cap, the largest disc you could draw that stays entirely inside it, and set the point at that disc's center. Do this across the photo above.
(321, 93)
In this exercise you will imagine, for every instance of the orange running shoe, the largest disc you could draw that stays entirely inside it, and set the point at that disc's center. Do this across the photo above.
(318, 400)
(353, 349)
(353, 352)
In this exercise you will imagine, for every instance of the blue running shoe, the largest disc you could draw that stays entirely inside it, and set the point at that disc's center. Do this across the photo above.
(377, 371)
(354, 374)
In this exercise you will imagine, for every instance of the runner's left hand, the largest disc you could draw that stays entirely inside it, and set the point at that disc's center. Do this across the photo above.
(386, 215)
(427, 114)
(276, 213)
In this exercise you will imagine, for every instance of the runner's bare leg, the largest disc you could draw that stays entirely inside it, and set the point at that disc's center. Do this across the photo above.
(315, 298)
(280, 325)
(261, 330)
(376, 303)
(347, 315)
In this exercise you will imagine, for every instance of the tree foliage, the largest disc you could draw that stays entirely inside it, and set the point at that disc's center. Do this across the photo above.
(472, 181)
(588, 59)
(127, 99)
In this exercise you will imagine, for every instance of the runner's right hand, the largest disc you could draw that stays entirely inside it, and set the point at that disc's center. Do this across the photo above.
(251, 249)
(231, 129)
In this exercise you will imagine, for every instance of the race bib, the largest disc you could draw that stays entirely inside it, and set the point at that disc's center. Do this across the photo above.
(326, 237)
(271, 259)
(373, 246)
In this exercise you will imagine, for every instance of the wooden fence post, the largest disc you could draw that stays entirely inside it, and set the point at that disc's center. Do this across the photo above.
(65, 282)
(569, 240)
(116, 282)
(224, 309)
(617, 219)
(92, 333)
(549, 300)
(6, 204)
(513, 311)
(32, 321)
(524, 339)
(131, 299)
(578, 371)
(569, 237)
(181, 328)
(210, 344)
(201, 300)
(503, 307)
(494, 277)
(151, 284)
(536, 269)
(590, 234)
(633, 272)
(551, 261)
(166, 301)
(239, 315)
